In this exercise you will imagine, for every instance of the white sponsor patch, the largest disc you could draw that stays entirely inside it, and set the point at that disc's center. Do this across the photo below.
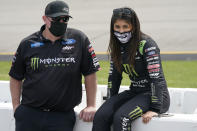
(151, 53)
(67, 47)
(154, 62)
(153, 58)
(137, 58)
(154, 74)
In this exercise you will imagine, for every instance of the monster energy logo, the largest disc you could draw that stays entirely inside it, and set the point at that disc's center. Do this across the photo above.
(110, 84)
(34, 63)
(126, 124)
(137, 112)
(128, 68)
(141, 46)
(50, 62)
(154, 99)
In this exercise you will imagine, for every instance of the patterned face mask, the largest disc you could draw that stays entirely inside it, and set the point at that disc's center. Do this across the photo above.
(123, 37)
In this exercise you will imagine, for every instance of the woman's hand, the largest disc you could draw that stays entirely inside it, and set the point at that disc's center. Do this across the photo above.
(148, 116)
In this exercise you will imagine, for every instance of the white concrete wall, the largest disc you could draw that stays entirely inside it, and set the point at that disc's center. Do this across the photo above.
(183, 100)
(183, 111)
(5, 92)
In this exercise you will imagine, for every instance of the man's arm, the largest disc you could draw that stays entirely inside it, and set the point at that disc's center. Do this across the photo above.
(15, 90)
(87, 114)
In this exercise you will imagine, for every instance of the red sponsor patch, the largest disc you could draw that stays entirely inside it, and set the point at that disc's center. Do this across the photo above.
(154, 70)
(153, 66)
(152, 56)
(93, 55)
(91, 49)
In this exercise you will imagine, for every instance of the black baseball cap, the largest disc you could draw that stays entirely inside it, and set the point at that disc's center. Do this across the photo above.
(57, 8)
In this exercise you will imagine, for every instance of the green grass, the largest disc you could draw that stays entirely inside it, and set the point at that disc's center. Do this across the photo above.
(181, 74)
(102, 75)
(4, 69)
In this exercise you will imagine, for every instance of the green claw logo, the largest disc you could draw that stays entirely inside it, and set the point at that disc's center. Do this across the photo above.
(129, 70)
(34, 63)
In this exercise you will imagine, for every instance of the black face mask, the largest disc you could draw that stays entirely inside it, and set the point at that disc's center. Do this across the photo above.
(57, 28)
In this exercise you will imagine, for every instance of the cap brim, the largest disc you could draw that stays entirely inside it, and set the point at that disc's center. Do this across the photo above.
(59, 14)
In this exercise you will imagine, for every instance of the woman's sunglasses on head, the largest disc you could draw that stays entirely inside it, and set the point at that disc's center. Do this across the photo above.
(122, 12)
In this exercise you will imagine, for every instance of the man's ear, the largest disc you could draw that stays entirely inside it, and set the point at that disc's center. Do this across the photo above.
(46, 21)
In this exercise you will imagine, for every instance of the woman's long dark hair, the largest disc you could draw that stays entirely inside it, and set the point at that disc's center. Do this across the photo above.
(114, 46)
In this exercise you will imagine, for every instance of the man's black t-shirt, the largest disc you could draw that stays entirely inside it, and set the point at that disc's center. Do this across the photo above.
(52, 72)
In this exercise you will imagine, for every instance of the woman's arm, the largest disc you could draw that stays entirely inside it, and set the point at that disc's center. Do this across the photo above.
(114, 80)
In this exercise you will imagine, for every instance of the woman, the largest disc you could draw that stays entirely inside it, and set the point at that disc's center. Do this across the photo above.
(136, 54)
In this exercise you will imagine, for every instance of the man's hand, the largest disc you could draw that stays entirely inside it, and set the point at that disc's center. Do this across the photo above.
(15, 90)
(14, 107)
(148, 116)
(87, 114)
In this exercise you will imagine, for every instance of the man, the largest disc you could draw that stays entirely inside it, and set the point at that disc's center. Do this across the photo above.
(47, 70)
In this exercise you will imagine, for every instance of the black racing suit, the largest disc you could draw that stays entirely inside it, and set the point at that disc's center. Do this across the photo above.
(148, 89)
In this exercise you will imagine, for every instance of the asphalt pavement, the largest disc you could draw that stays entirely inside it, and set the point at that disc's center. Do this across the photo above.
(171, 23)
